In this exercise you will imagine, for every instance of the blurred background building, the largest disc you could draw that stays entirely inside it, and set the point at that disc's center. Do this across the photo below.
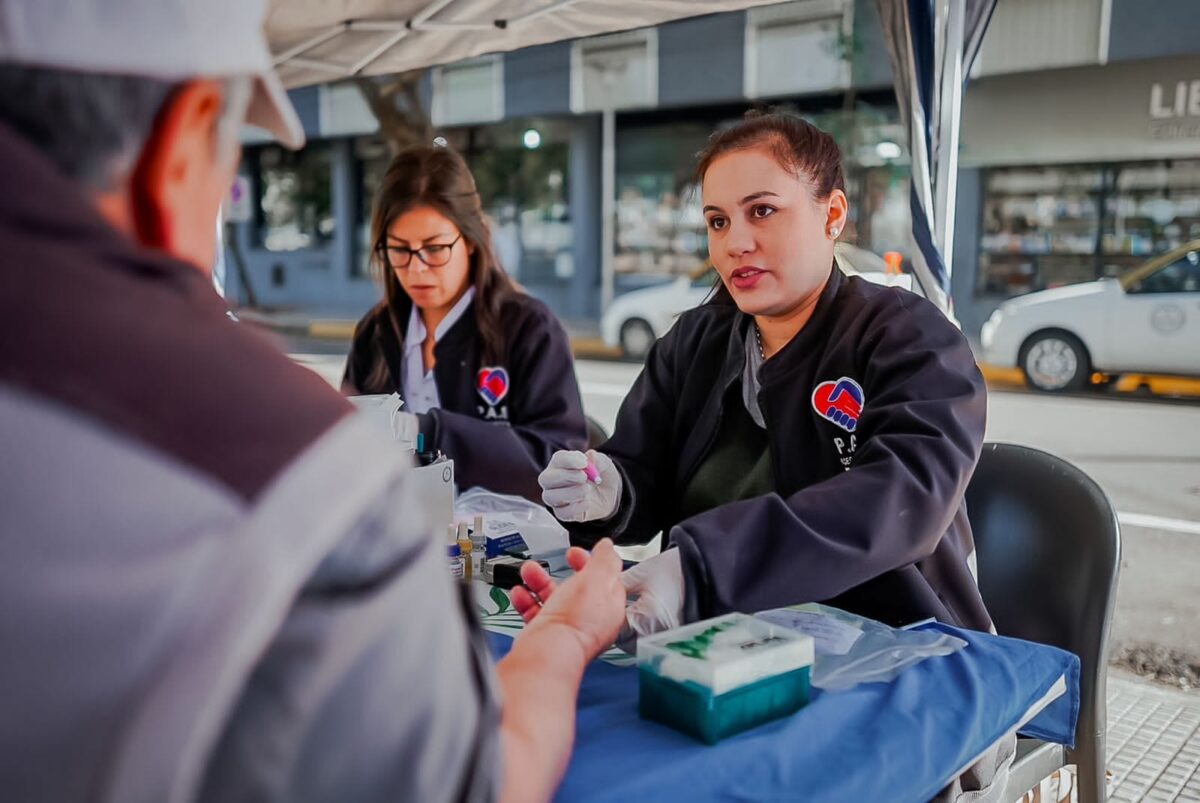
(1080, 152)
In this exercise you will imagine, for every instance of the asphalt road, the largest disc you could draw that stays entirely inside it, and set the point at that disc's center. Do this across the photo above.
(1145, 454)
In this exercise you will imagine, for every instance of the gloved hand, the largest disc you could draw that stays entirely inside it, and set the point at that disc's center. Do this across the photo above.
(658, 584)
(568, 492)
(384, 411)
(405, 427)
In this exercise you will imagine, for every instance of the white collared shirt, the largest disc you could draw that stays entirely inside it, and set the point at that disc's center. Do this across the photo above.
(420, 391)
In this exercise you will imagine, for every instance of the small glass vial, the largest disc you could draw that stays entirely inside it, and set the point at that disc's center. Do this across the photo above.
(456, 564)
(478, 548)
(465, 548)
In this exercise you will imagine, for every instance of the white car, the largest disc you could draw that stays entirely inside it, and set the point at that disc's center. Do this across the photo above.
(1148, 321)
(638, 318)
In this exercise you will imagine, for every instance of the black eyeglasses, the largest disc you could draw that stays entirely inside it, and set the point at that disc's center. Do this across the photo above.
(434, 255)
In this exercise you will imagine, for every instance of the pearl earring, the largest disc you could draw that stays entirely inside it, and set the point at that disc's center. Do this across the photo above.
(833, 232)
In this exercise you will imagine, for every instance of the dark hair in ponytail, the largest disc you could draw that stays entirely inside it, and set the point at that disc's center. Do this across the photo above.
(438, 178)
(796, 144)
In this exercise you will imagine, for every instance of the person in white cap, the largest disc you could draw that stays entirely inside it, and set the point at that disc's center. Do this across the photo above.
(214, 581)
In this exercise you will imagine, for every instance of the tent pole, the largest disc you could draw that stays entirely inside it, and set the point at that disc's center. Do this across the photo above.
(949, 24)
(608, 206)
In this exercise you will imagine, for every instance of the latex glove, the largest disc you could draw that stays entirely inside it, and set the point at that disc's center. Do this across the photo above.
(658, 585)
(405, 427)
(568, 492)
(384, 410)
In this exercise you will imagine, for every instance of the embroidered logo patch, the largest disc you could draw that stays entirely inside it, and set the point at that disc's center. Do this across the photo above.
(493, 385)
(841, 402)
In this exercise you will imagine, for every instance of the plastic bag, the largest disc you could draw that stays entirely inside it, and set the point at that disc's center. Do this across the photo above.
(479, 500)
(504, 515)
(852, 649)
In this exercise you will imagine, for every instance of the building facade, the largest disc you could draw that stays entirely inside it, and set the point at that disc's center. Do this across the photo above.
(1080, 152)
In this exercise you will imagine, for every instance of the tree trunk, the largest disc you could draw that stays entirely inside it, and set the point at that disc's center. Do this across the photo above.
(396, 103)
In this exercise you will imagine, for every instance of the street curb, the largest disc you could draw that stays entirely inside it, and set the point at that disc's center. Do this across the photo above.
(997, 377)
(331, 329)
(336, 329)
(1002, 378)
(593, 348)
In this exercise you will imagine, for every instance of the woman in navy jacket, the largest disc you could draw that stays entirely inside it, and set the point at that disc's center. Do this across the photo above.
(803, 436)
(485, 370)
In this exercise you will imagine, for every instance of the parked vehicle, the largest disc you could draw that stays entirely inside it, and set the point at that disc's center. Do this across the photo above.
(1148, 321)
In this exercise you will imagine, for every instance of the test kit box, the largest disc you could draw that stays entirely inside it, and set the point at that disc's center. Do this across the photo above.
(505, 534)
(719, 677)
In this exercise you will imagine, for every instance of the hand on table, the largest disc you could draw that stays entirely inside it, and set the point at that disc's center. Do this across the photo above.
(590, 605)
(656, 584)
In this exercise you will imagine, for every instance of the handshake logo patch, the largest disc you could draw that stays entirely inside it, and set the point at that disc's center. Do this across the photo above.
(839, 401)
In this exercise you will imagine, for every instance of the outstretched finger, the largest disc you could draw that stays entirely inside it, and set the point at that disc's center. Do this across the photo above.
(525, 604)
(535, 578)
(577, 558)
(605, 558)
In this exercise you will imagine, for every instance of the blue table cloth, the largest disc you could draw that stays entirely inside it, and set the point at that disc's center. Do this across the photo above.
(898, 741)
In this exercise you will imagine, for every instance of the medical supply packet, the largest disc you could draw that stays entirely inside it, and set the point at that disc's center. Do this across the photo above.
(852, 649)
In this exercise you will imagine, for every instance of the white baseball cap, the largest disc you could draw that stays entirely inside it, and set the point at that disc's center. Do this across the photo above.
(164, 39)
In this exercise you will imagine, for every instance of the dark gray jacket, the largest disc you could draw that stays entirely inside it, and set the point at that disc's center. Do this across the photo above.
(214, 582)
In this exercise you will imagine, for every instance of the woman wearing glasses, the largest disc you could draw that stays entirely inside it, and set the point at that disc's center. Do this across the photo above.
(485, 370)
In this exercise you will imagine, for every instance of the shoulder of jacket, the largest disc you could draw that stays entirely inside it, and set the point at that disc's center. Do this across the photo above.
(706, 318)
(522, 311)
(896, 312)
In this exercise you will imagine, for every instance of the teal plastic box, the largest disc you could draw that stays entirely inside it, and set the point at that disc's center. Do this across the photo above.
(719, 677)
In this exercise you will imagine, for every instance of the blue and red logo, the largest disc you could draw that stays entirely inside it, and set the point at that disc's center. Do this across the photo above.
(493, 385)
(841, 402)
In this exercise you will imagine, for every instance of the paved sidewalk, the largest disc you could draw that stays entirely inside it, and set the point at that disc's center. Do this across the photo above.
(1153, 741)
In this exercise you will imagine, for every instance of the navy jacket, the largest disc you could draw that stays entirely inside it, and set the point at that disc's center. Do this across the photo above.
(875, 416)
(500, 423)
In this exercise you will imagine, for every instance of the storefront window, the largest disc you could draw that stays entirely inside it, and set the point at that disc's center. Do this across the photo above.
(660, 229)
(880, 219)
(520, 170)
(1052, 226)
(295, 205)
(1041, 226)
(525, 191)
(371, 159)
(1154, 207)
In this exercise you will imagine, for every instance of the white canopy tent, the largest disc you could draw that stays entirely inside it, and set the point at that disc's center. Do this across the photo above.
(323, 40)
(932, 44)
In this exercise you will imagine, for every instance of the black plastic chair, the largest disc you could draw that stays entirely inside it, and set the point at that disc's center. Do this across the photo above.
(595, 432)
(1049, 551)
